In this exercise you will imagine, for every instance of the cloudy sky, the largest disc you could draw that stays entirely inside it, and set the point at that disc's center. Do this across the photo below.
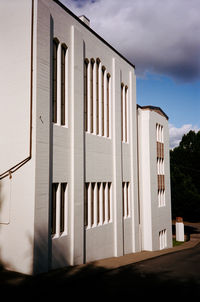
(161, 38)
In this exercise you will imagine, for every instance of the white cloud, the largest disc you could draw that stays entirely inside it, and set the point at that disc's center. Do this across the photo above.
(157, 36)
(176, 134)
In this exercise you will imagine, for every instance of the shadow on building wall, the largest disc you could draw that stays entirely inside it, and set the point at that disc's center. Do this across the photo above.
(46, 254)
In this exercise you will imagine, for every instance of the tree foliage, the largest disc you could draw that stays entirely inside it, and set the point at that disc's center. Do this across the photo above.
(185, 177)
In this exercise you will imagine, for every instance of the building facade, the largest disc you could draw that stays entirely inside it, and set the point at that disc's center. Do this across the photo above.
(84, 171)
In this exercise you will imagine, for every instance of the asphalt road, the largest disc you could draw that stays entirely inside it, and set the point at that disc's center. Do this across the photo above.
(171, 276)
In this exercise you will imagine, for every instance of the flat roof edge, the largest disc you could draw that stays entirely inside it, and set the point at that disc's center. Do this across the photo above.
(154, 108)
(92, 31)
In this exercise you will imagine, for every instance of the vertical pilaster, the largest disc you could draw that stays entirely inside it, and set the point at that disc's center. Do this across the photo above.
(43, 165)
(117, 158)
(133, 187)
(77, 147)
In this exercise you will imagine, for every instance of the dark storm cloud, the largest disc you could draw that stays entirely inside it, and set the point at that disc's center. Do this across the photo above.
(160, 36)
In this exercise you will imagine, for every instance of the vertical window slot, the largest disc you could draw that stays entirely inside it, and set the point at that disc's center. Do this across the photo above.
(54, 208)
(108, 105)
(63, 84)
(86, 204)
(91, 95)
(102, 95)
(63, 207)
(86, 94)
(97, 95)
(55, 67)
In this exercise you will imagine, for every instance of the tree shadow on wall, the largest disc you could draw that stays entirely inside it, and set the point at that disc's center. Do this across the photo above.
(49, 252)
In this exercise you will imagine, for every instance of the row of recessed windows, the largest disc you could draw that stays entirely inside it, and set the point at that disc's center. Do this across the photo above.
(161, 198)
(163, 239)
(97, 94)
(159, 133)
(98, 203)
(126, 199)
(160, 166)
(59, 209)
(60, 83)
(97, 98)
(124, 113)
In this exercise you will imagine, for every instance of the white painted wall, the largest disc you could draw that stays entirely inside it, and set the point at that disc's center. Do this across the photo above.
(98, 156)
(153, 218)
(66, 153)
(17, 193)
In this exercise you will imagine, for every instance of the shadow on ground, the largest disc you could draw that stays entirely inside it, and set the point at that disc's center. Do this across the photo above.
(175, 275)
(97, 283)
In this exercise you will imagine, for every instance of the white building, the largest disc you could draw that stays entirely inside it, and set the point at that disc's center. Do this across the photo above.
(84, 172)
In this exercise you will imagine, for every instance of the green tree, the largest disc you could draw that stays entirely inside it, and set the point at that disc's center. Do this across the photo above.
(185, 177)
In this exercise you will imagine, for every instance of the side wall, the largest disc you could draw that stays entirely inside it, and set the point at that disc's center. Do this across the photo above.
(144, 180)
(60, 154)
(154, 218)
(76, 157)
(161, 215)
(16, 143)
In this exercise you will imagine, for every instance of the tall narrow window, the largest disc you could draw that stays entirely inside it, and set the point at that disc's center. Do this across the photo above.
(92, 203)
(97, 95)
(53, 208)
(63, 82)
(86, 204)
(122, 110)
(98, 202)
(54, 109)
(109, 201)
(126, 199)
(123, 200)
(102, 94)
(62, 207)
(86, 94)
(108, 104)
(163, 239)
(104, 213)
(91, 95)
(126, 114)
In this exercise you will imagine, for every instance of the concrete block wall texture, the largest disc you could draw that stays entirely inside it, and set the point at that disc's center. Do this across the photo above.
(68, 156)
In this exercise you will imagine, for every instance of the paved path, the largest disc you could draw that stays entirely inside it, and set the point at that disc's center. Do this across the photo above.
(116, 262)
